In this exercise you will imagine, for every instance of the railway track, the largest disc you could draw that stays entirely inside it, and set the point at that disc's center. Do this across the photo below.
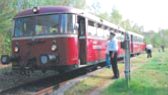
(47, 85)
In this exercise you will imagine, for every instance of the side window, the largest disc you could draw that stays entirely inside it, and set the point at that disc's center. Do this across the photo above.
(122, 37)
(91, 28)
(111, 31)
(106, 33)
(117, 36)
(100, 31)
(134, 39)
(140, 40)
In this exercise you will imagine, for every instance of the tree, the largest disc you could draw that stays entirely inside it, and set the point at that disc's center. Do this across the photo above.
(81, 4)
(126, 24)
(157, 39)
(104, 15)
(95, 7)
(31, 3)
(163, 33)
(136, 28)
(116, 17)
(6, 14)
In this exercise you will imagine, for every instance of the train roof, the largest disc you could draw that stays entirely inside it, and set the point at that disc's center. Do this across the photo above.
(47, 10)
(66, 9)
(135, 34)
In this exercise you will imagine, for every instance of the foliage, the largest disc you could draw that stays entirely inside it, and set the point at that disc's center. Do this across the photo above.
(104, 16)
(95, 8)
(126, 24)
(6, 14)
(31, 3)
(116, 17)
(157, 39)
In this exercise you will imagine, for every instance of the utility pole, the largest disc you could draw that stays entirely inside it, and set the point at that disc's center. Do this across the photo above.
(127, 58)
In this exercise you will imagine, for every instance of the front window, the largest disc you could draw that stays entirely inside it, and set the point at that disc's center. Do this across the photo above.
(44, 25)
(67, 23)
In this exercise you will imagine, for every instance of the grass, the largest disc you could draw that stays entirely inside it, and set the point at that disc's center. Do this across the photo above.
(150, 79)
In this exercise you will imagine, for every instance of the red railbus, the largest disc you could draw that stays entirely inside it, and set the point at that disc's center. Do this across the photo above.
(60, 37)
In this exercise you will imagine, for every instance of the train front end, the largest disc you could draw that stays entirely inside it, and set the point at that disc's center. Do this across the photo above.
(43, 40)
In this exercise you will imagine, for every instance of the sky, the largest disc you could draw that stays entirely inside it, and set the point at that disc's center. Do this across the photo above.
(151, 14)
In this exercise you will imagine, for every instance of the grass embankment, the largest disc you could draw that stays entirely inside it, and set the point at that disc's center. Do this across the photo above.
(90, 83)
(150, 79)
(102, 78)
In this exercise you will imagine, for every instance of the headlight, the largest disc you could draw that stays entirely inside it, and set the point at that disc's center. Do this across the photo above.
(52, 57)
(35, 9)
(53, 47)
(16, 49)
(4, 59)
(44, 59)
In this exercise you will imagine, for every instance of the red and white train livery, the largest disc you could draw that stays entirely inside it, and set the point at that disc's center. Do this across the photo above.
(57, 37)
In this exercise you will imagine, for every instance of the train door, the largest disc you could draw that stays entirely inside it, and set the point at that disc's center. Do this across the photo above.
(82, 39)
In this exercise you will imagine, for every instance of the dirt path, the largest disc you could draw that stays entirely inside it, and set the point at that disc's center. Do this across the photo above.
(107, 82)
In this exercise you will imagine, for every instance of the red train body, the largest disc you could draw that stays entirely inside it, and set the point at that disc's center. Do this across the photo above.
(57, 37)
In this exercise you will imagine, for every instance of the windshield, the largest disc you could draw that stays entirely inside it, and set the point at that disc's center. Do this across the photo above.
(44, 25)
